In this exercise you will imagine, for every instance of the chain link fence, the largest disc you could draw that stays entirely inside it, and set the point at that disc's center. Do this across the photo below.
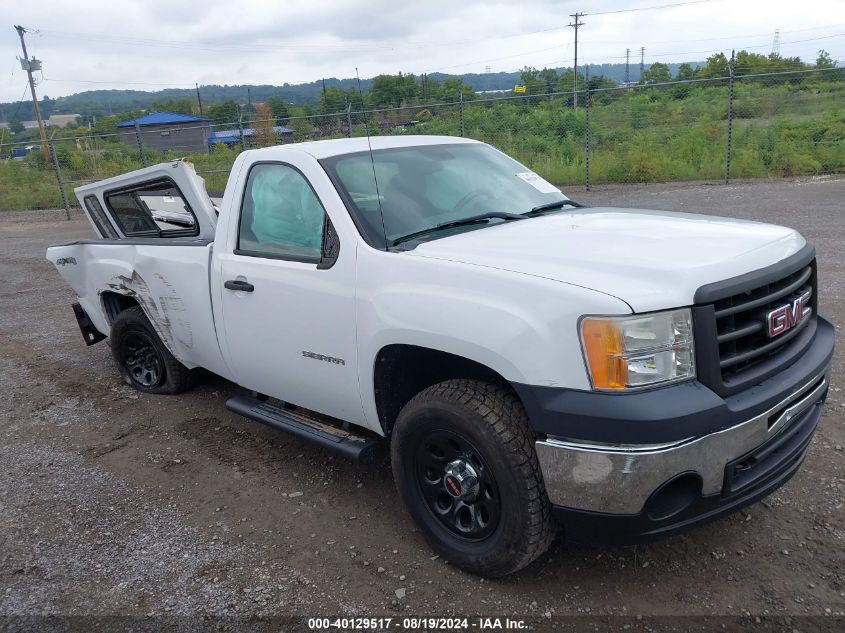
(704, 129)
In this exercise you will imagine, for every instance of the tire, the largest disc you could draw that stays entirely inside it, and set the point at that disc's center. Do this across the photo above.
(496, 518)
(143, 360)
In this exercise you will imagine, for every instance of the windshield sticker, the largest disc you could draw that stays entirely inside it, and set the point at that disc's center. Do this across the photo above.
(540, 184)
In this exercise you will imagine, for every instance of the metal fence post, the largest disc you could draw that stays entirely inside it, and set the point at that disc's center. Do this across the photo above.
(729, 143)
(241, 127)
(462, 112)
(59, 178)
(140, 144)
(349, 120)
(587, 106)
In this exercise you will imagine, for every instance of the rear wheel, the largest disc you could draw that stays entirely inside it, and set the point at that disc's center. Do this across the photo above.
(143, 360)
(465, 467)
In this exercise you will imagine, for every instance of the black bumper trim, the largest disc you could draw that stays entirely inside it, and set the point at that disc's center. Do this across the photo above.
(91, 334)
(667, 414)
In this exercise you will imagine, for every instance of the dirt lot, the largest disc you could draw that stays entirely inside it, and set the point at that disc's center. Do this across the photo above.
(116, 503)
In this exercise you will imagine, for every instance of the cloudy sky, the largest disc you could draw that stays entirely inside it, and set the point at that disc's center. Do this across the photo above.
(154, 44)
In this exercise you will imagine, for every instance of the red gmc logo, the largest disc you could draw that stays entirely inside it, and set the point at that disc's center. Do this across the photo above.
(786, 317)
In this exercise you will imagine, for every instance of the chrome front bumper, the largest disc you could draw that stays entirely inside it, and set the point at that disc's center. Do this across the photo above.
(619, 479)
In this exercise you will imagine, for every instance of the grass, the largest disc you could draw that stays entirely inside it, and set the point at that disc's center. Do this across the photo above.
(649, 135)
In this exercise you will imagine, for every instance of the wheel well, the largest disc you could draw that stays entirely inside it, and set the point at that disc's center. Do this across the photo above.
(402, 371)
(114, 303)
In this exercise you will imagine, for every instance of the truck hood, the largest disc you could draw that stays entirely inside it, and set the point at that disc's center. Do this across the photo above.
(652, 260)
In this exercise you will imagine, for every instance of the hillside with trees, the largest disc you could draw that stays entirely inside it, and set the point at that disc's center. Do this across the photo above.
(788, 119)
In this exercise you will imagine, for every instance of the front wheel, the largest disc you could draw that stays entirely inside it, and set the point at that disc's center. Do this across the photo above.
(465, 466)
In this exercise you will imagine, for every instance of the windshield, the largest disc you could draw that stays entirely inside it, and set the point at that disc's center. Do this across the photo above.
(426, 186)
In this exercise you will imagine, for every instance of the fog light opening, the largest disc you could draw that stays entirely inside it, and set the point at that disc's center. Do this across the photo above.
(673, 497)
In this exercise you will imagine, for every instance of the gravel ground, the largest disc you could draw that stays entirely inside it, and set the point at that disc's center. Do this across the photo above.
(114, 503)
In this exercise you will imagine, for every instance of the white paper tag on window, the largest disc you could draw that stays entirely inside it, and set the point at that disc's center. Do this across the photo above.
(540, 184)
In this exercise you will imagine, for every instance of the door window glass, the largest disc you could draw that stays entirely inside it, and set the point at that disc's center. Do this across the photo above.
(152, 209)
(281, 215)
(98, 217)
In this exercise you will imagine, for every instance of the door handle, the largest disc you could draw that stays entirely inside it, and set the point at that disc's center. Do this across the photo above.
(238, 284)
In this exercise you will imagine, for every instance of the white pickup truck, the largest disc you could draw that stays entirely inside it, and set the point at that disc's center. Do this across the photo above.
(624, 374)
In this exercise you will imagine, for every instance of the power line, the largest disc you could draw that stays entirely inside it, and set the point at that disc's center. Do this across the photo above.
(722, 38)
(297, 48)
(20, 101)
(652, 8)
(492, 59)
(116, 82)
(486, 61)
(710, 51)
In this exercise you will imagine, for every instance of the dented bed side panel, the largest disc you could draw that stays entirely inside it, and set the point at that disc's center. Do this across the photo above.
(170, 282)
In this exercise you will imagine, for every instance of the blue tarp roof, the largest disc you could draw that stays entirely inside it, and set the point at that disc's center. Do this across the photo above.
(234, 136)
(163, 118)
(18, 152)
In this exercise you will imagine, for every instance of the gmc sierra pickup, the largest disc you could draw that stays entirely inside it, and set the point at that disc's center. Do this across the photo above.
(624, 374)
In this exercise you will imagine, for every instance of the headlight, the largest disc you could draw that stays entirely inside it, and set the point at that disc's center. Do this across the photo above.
(638, 350)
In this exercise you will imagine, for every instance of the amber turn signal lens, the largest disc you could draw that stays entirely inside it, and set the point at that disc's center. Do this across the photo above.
(603, 345)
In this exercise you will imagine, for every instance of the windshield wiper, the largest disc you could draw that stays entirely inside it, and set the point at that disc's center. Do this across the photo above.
(549, 206)
(473, 219)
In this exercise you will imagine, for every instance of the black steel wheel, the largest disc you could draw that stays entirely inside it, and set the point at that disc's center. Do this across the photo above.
(457, 485)
(143, 360)
(464, 463)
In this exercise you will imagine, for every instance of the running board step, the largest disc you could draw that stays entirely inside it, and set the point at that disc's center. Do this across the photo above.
(360, 448)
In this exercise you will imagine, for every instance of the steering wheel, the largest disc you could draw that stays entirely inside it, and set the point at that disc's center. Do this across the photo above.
(472, 195)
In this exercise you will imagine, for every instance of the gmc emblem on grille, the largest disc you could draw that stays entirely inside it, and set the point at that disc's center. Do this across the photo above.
(786, 317)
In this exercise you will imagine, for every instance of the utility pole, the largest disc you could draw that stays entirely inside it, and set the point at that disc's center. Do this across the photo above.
(642, 62)
(627, 66)
(29, 65)
(575, 24)
(199, 101)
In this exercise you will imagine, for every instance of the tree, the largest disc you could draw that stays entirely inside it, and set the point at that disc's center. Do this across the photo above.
(393, 90)
(532, 80)
(332, 100)
(224, 112)
(453, 88)
(717, 66)
(565, 81)
(279, 109)
(782, 64)
(264, 134)
(601, 84)
(16, 127)
(182, 106)
(685, 72)
(656, 73)
(824, 60)
(549, 78)
(47, 106)
(755, 64)
(354, 98)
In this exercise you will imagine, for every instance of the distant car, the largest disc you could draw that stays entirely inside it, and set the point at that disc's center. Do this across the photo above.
(630, 373)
